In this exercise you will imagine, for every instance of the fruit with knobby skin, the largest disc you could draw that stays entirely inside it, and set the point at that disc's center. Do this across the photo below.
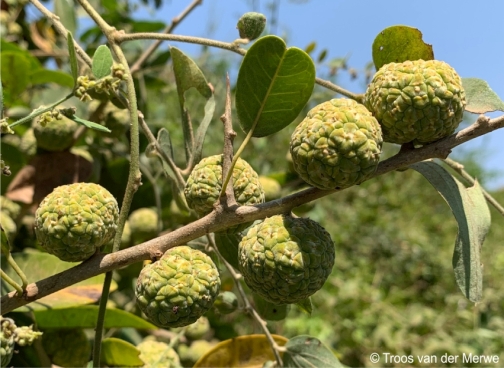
(75, 220)
(143, 224)
(251, 25)
(205, 183)
(156, 354)
(56, 135)
(67, 347)
(416, 101)
(226, 302)
(272, 188)
(178, 288)
(286, 259)
(9, 207)
(337, 145)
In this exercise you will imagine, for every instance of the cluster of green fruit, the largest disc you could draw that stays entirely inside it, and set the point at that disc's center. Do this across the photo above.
(283, 259)
(339, 143)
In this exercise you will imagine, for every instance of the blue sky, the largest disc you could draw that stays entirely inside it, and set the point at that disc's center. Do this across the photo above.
(468, 35)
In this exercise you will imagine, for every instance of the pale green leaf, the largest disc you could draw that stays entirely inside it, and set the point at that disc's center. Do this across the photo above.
(74, 66)
(473, 218)
(227, 244)
(202, 128)
(308, 352)
(89, 124)
(102, 62)
(86, 316)
(480, 97)
(400, 43)
(305, 305)
(274, 84)
(119, 353)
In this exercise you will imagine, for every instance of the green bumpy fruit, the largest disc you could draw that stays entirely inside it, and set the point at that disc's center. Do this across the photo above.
(205, 183)
(157, 354)
(75, 220)
(56, 135)
(337, 145)
(178, 288)
(416, 101)
(8, 226)
(143, 224)
(9, 207)
(251, 25)
(286, 259)
(67, 347)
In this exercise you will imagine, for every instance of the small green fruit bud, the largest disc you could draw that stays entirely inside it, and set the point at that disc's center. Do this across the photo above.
(251, 25)
(226, 302)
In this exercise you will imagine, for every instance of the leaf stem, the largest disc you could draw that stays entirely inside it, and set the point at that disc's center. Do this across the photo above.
(41, 110)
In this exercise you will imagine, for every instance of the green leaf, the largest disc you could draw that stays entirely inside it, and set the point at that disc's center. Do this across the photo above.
(187, 76)
(202, 129)
(37, 266)
(89, 124)
(1, 101)
(15, 79)
(480, 97)
(102, 62)
(86, 316)
(165, 144)
(159, 59)
(322, 56)
(43, 76)
(306, 351)
(400, 43)
(473, 217)
(119, 353)
(274, 84)
(73, 58)
(306, 305)
(268, 310)
(64, 9)
(227, 244)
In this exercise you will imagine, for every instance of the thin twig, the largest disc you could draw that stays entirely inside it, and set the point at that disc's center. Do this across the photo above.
(248, 307)
(219, 220)
(459, 168)
(230, 46)
(227, 157)
(169, 29)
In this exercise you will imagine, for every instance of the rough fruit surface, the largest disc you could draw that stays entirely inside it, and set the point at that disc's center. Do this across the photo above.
(143, 224)
(156, 354)
(179, 288)
(286, 259)
(416, 101)
(57, 135)
(205, 182)
(74, 220)
(251, 25)
(338, 144)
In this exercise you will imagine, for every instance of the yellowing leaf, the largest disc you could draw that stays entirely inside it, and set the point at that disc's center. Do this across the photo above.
(250, 351)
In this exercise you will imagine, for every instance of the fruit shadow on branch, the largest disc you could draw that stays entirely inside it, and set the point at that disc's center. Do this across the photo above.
(222, 218)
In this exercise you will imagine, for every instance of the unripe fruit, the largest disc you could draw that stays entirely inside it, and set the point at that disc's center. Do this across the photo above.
(251, 25)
